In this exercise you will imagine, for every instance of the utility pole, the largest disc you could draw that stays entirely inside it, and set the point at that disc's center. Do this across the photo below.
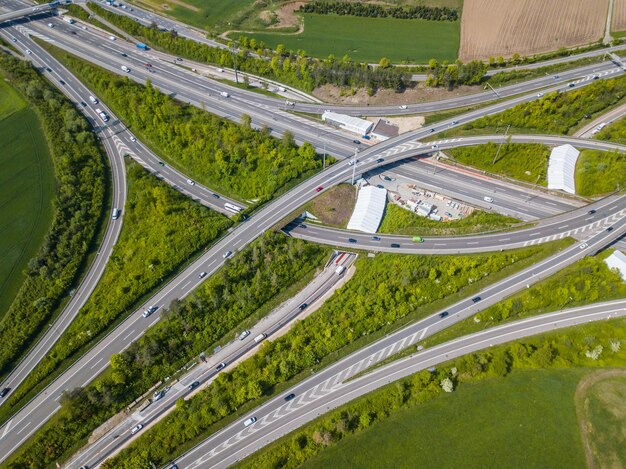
(324, 160)
(500, 146)
(232, 49)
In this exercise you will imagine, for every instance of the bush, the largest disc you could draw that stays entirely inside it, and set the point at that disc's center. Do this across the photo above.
(379, 11)
(78, 206)
(600, 172)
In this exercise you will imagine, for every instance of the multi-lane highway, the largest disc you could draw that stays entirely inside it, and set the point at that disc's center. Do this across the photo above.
(277, 417)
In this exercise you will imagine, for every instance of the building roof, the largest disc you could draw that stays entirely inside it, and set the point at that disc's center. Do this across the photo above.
(350, 123)
(369, 209)
(562, 167)
(384, 130)
(617, 260)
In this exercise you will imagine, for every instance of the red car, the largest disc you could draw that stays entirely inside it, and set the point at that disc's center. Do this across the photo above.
(319, 189)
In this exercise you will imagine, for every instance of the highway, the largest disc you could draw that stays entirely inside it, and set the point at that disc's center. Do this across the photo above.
(230, 354)
(314, 394)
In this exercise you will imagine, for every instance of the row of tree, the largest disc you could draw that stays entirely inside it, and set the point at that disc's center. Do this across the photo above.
(458, 73)
(77, 214)
(372, 10)
(211, 315)
(231, 158)
(162, 229)
(289, 67)
(384, 290)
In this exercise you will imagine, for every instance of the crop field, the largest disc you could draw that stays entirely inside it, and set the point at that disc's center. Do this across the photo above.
(466, 428)
(26, 188)
(369, 39)
(492, 28)
(618, 20)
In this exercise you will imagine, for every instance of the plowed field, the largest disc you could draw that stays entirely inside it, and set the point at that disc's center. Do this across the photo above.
(618, 22)
(490, 28)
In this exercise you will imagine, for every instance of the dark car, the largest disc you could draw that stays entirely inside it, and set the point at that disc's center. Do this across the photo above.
(48, 69)
(395, 245)
(476, 299)
(432, 130)
(591, 212)
(4, 392)
(221, 366)
(609, 229)
(351, 240)
(62, 82)
(443, 315)
(124, 54)
(193, 385)
(290, 396)
(356, 141)
(83, 104)
(380, 160)
(217, 196)
(303, 306)
(161, 163)
(375, 238)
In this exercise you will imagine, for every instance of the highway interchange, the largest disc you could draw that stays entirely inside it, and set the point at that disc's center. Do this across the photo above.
(192, 88)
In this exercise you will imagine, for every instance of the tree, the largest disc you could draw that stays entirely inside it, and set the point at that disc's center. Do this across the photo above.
(500, 60)
(433, 64)
(447, 385)
(384, 63)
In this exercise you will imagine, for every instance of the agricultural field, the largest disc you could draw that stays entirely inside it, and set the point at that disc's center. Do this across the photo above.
(26, 189)
(618, 20)
(492, 28)
(370, 39)
(466, 428)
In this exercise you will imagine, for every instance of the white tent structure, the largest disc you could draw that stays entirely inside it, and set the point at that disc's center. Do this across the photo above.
(369, 209)
(562, 167)
(617, 260)
(349, 123)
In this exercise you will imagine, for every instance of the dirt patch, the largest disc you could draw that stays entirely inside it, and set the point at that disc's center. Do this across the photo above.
(182, 4)
(618, 21)
(582, 410)
(334, 207)
(286, 17)
(419, 94)
(492, 28)
(404, 124)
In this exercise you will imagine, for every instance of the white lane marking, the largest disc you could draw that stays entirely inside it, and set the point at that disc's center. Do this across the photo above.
(6, 428)
(96, 364)
(24, 427)
(126, 337)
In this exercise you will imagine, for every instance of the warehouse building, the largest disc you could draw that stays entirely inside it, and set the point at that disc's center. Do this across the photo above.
(562, 167)
(349, 123)
(617, 261)
(368, 210)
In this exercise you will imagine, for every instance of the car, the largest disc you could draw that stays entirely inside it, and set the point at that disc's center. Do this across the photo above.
(4, 392)
(380, 160)
(443, 315)
(50, 25)
(161, 163)
(432, 130)
(394, 245)
(249, 422)
(417, 239)
(556, 77)
(583, 246)
(62, 82)
(352, 162)
(158, 395)
(202, 275)
(375, 238)
(173, 466)
(488, 199)
(302, 225)
(303, 306)
(48, 69)
(352, 240)
(83, 104)
(380, 186)
(435, 146)
(216, 196)
(13, 39)
(595, 77)
(193, 385)
(244, 334)
(221, 366)
(609, 229)
(591, 212)
(356, 141)
(136, 428)
(124, 54)
(84, 28)
(190, 182)
(319, 189)
(289, 397)
(112, 38)
(455, 122)
(476, 299)
(571, 85)
(84, 467)
(28, 51)
(132, 138)
(540, 95)
(73, 33)
(227, 254)
(149, 311)
(403, 106)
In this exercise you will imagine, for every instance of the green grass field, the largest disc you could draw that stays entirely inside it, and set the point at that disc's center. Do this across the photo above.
(600, 172)
(369, 39)
(26, 188)
(10, 101)
(527, 419)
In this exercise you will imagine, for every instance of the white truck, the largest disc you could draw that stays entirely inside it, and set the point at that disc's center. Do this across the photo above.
(340, 269)
(224, 94)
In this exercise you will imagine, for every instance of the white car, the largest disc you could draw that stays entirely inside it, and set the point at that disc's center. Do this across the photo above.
(28, 51)
(132, 138)
(583, 246)
(13, 39)
(50, 25)
(539, 95)
(403, 106)
(112, 38)
(190, 182)
(435, 147)
(227, 254)
(202, 275)
(136, 429)
(84, 28)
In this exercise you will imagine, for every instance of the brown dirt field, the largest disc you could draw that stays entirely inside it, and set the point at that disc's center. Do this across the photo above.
(420, 94)
(334, 207)
(492, 28)
(618, 21)
(286, 16)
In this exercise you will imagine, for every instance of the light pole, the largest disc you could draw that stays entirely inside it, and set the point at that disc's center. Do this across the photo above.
(493, 89)
(232, 49)
(354, 164)
(499, 147)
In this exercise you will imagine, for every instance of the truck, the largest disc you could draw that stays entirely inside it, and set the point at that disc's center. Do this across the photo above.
(141, 45)
(224, 94)
(340, 269)
(69, 20)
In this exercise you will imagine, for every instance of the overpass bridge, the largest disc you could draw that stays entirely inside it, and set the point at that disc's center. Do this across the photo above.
(34, 10)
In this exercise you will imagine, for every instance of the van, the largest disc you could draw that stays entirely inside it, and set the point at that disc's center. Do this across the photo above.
(488, 199)
(341, 269)
(116, 214)
(93, 100)
(224, 94)
(249, 422)
(259, 338)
